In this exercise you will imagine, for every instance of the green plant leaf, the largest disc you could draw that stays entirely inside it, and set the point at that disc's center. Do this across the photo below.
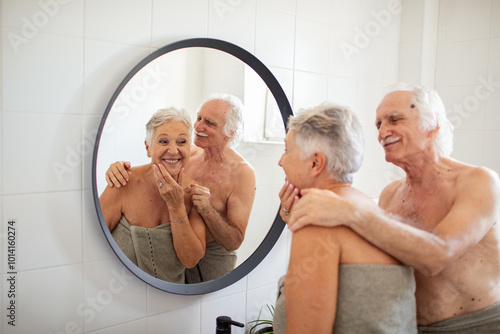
(262, 322)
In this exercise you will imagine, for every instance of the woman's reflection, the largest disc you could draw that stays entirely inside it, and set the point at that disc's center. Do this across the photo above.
(225, 189)
(152, 219)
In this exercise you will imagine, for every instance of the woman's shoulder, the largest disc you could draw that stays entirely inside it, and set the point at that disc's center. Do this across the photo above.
(137, 172)
(355, 248)
(328, 237)
(136, 176)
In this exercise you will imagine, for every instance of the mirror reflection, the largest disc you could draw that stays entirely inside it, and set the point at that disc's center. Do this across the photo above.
(180, 207)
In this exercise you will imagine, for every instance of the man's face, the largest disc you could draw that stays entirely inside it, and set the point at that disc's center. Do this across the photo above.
(209, 124)
(399, 133)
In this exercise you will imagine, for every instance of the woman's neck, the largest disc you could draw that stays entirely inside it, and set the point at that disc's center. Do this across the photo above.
(327, 182)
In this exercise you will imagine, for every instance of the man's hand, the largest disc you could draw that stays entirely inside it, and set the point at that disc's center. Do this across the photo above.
(200, 196)
(320, 207)
(117, 175)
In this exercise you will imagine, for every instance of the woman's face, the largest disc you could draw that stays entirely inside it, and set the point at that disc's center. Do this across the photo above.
(294, 167)
(170, 146)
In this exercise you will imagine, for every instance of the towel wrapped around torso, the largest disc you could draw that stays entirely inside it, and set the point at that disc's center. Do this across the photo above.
(123, 237)
(151, 249)
(485, 321)
(216, 262)
(371, 299)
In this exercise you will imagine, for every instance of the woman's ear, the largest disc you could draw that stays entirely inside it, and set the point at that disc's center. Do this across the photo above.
(318, 163)
(147, 149)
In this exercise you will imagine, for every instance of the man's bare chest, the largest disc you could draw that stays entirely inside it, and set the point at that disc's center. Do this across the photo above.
(217, 181)
(422, 211)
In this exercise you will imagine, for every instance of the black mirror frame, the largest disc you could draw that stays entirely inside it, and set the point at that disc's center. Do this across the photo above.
(276, 229)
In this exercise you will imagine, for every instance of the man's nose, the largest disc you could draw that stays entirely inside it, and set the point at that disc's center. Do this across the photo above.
(198, 125)
(383, 131)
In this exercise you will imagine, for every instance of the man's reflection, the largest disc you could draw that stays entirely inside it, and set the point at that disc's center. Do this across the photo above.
(225, 188)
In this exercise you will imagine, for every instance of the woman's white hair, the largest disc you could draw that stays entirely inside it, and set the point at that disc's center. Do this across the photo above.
(333, 130)
(164, 115)
(432, 113)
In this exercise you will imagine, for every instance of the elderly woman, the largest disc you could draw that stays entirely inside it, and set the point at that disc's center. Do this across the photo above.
(336, 281)
(152, 219)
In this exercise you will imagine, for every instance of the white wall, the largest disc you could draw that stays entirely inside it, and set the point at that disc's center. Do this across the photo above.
(463, 38)
(468, 77)
(61, 62)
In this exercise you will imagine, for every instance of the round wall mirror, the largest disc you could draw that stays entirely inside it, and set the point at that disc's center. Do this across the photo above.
(185, 74)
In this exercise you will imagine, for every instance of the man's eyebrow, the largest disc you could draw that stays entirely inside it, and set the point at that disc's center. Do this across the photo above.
(394, 114)
(211, 120)
(207, 119)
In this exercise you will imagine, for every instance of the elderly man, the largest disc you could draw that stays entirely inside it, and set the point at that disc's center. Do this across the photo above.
(440, 219)
(225, 191)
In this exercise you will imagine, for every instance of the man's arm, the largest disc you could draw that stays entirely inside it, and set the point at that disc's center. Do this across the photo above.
(311, 281)
(228, 231)
(473, 213)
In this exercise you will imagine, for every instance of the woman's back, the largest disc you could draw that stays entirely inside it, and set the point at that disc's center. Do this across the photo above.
(354, 248)
(375, 299)
(373, 292)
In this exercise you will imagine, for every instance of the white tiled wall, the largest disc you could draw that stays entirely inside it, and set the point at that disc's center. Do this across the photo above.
(468, 77)
(62, 60)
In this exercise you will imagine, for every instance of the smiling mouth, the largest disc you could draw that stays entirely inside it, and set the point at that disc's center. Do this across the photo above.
(201, 134)
(171, 161)
(389, 141)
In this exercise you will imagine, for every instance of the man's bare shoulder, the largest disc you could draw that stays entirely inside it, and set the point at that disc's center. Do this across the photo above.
(241, 167)
(474, 177)
(195, 151)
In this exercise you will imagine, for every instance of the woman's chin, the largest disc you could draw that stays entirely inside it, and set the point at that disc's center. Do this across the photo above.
(172, 169)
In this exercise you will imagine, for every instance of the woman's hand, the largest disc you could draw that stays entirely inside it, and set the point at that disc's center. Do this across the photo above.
(289, 195)
(117, 174)
(200, 196)
(170, 190)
